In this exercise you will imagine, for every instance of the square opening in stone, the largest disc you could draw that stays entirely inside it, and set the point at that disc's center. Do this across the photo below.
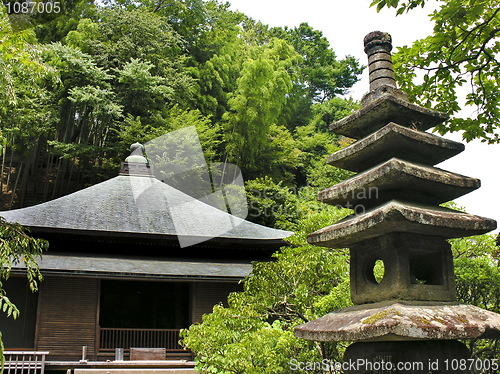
(426, 268)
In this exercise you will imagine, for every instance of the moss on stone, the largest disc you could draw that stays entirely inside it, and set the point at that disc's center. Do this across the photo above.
(380, 315)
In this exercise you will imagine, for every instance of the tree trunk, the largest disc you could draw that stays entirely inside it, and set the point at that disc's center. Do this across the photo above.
(15, 185)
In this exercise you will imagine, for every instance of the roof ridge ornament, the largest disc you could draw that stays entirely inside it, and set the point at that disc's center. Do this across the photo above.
(136, 163)
(137, 153)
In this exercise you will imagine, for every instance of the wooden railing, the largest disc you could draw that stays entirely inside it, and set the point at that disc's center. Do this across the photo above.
(24, 362)
(111, 338)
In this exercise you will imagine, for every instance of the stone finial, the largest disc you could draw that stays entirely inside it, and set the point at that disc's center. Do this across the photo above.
(378, 46)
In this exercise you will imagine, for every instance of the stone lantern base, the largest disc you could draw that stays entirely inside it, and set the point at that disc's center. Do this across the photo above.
(415, 357)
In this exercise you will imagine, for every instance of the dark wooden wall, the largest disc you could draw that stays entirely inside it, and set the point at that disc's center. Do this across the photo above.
(67, 315)
(207, 294)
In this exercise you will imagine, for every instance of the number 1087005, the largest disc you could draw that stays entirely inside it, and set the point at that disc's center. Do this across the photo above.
(32, 7)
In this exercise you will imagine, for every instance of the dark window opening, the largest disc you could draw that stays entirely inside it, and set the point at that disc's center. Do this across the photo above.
(19, 333)
(426, 269)
(144, 305)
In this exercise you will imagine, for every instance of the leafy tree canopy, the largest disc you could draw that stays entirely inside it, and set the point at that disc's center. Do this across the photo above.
(323, 75)
(123, 68)
(462, 54)
(17, 247)
(477, 275)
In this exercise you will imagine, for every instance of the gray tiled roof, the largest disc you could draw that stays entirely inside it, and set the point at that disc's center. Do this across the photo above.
(139, 204)
(139, 267)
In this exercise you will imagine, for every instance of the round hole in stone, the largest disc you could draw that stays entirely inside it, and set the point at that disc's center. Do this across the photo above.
(378, 270)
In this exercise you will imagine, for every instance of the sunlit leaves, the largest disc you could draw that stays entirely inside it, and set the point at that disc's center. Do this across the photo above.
(262, 88)
(462, 55)
(403, 7)
(17, 247)
(20, 62)
(322, 76)
(255, 333)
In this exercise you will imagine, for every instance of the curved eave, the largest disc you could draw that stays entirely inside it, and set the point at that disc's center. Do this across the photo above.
(126, 267)
(396, 216)
(163, 239)
(397, 141)
(403, 321)
(387, 108)
(396, 176)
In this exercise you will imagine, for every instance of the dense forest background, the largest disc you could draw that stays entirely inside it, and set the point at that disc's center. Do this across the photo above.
(79, 87)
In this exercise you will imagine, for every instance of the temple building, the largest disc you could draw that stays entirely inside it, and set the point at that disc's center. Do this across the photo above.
(115, 275)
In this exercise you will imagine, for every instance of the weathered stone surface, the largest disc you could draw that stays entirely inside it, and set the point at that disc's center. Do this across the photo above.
(417, 267)
(396, 216)
(383, 89)
(400, 320)
(415, 357)
(387, 108)
(401, 180)
(135, 205)
(378, 46)
(396, 224)
(392, 141)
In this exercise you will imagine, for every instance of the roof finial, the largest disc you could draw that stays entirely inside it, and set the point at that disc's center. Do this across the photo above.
(137, 154)
(136, 163)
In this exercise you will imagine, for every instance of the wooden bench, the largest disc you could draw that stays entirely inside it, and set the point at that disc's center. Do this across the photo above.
(149, 354)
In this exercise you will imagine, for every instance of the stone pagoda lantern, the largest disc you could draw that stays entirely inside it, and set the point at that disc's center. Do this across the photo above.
(411, 315)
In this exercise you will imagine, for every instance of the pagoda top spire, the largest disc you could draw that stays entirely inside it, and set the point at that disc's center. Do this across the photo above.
(378, 46)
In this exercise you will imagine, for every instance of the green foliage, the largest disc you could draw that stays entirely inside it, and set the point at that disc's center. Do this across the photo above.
(133, 129)
(258, 100)
(122, 71)
(16, 247)
(477, 272)
(322, 75)
(271, 204)
(477, 276)
(87, 105)
(53, 27)
(315, 146)
(462, 52)
(254, 334)
(19, 60)
(140, 91)
(142, 53)
(395, 3)
(327, 112)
